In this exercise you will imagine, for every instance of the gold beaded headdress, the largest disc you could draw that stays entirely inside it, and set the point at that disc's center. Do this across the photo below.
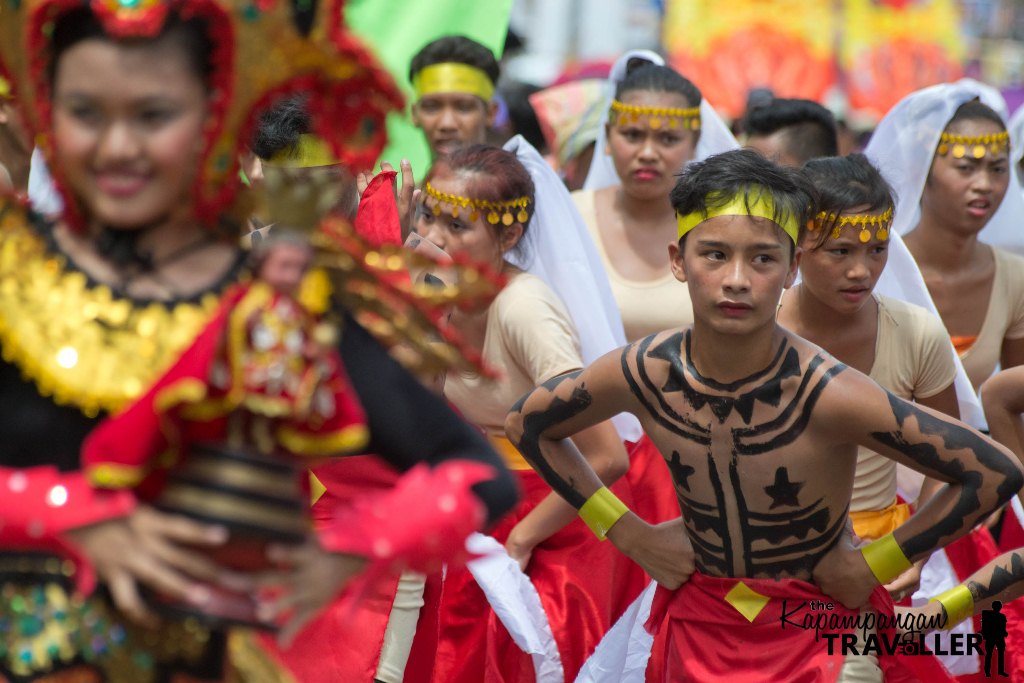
(879, 223)
(973, 146)
(657, 117)
(507, 213)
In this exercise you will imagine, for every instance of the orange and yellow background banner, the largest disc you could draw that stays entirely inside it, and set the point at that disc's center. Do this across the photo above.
(876, 51)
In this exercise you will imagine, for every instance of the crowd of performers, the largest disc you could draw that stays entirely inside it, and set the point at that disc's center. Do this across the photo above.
(717, 414)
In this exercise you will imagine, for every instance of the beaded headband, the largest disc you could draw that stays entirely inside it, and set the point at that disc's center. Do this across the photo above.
(657, 117)
(453, 77)
(880, 223)
(740, 205)
(974, 146)
(496, 211)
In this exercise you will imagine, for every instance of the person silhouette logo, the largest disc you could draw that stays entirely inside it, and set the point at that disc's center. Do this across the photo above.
(993, 630)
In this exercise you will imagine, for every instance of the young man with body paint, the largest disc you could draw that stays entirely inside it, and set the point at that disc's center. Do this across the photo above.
(760, 430)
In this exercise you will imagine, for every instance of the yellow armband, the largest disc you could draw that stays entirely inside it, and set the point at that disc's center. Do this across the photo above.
(601, 511)
(958, 603)
(885, 558)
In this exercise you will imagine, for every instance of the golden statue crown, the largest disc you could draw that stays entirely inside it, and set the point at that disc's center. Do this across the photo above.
(507, 213)
(657, 117)
(263, 49)
(879, 223)
(974, 146)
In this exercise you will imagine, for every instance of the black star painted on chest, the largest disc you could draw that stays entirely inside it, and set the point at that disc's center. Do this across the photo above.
(783, 491)
(680, 472)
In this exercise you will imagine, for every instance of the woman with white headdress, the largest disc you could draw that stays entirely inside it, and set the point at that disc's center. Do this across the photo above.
(657, 122)
(946, 150)
(479, 202)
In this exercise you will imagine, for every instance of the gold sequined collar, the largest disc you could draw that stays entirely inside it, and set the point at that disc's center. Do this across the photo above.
(76, 340)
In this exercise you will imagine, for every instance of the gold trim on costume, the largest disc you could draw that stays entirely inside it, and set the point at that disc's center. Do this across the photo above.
(453, 77)
(345, 440)
(80, 343)
(879, 223)
(496, 211)
(973, 146)
(310, 151)
(742, 204)
(621, 114)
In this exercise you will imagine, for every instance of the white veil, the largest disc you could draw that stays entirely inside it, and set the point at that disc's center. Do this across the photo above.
(559, 250)
(715, 136)
(903, 145)
(902, 148)
(1017, 142)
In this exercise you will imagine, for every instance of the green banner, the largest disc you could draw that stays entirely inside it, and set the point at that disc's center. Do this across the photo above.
(397, 29)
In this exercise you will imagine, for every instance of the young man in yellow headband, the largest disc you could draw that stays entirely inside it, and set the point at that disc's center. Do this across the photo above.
(454, 79)
(760, 431)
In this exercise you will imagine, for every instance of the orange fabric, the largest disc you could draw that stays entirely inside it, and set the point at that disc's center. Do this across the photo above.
(963, 343)
(513, 459)
(872, 524)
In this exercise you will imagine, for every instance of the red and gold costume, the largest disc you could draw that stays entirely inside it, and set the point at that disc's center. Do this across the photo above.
(74, 349)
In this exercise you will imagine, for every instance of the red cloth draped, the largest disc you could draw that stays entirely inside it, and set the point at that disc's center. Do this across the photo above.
(580, 581)
(709, 640)
(377, 217)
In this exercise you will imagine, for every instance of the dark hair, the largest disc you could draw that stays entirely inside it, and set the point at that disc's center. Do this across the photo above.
(713, 183)
(190, 35)
(844, 183)
(280, 126)
(522, 117)
(504, 177)
(976, 110)
(809, 129)
(644, 75)
(456, 49)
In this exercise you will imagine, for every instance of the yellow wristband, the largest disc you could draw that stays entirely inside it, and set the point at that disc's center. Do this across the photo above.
(601, 511)
(885, 558)
(958, 603)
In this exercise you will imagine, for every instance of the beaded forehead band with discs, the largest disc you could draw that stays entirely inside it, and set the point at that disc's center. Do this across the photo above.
(621, 114)
(879, 223)
(973, 146)
(507, 213)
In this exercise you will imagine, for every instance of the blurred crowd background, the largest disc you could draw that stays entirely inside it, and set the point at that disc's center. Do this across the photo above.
(857, 57)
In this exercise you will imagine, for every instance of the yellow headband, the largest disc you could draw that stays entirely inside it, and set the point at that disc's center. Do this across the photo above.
(310, 151)
(496, 211)
(657, 117)
(5, 90)
(880, 223)
(975, 146)
(740, 205)
(453, 77)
